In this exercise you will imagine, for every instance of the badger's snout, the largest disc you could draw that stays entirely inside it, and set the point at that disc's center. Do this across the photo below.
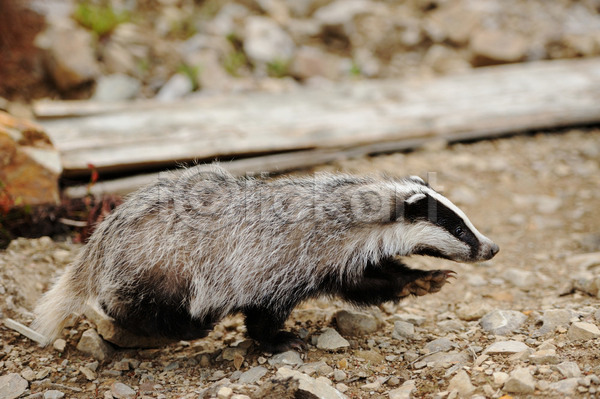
(494, 250)
(489, 251)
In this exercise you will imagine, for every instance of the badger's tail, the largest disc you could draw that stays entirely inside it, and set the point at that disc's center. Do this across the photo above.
(68, 296)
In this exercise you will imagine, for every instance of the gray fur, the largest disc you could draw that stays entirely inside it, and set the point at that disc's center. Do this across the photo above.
(219, 243)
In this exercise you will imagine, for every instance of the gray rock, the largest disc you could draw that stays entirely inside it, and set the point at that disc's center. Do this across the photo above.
(339, 375)
(405, 391)
(462, 384)
(91, 344)
(302, 8)
(331, 340)
(565, 387)
(502, 322)
(355, 323)
(228, 20)
(523, 279)
(232, 352)
(500, 377)
(506, 347)
(584, 261)
(116, 87)
(60, 345)
(495, 47)
(176, 87)
(520, 381)
(127, 45)
(342, 12)
(452, 22)
(450, 326)
(582, 331)
(569, 369)
(318, 387)
(265, 41)
(252, 375)
(417, 320)
(545, 356)
(371, 356)
(554, 318)
(588, 283)
(224, 393)
(117, 58)
(122, 391)
(289, 358)
(320, 368)
(69, 56)
(403, 329)
(473, 310)
(309, 62)
(53, 394)
(12, 386)
(439, 345)
(28, 374)
(446, 359)
(89, 374)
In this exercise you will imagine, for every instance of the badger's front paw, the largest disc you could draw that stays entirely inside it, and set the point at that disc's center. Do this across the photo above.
(430, 282)
(284, 341)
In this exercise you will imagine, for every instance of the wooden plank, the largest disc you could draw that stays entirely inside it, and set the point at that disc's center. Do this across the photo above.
(271, 164)
(277, 163)
(494, 100)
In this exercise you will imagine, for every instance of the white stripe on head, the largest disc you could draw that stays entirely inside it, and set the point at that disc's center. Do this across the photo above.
(445, 201)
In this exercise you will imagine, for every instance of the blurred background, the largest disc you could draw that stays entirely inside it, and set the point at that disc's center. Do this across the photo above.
(495, 102)
(123, 49)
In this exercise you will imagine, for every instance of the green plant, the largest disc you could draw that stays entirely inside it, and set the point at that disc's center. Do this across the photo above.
(234, 61)
(192, 74)
(278, 68)
(355, 71)
(143, 65)
(99, 18)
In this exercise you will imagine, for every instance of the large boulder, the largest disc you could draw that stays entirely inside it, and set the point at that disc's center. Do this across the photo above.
(69, 55)
(29, 164)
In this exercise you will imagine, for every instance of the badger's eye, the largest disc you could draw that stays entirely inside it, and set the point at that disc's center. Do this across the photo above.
(458, 231)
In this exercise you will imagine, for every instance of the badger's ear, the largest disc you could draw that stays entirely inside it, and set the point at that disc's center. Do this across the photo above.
(415, 198)
(415, 207)
(418, 180)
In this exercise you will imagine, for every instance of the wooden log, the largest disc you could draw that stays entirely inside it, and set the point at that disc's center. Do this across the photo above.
(486, 101)
(271, 164)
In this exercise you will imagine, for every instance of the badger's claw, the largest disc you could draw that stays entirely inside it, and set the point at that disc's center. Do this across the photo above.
(431, 282)
(284, 341)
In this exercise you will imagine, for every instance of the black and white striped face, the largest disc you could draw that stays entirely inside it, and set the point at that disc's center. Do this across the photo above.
(441, 229)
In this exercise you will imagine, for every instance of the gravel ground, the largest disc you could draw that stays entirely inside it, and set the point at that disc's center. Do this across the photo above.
(523, 324)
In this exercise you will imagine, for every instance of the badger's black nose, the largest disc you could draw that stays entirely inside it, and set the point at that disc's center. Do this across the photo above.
(494, 250)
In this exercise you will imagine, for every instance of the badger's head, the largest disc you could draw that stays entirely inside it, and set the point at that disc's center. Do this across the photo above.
(437, 227)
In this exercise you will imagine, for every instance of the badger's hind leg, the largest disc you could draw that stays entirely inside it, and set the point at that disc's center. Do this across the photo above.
(156, 312)
(265, 327)
(391, 280)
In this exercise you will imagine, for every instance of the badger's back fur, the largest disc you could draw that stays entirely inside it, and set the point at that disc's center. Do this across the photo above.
(181, 254)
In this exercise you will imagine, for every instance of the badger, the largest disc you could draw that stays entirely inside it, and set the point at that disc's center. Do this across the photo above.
(181, 254)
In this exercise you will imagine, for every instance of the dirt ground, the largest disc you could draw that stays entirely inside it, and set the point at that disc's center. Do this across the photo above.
(537, 196)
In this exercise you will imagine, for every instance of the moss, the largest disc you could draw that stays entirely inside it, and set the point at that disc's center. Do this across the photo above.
(191, 72)
(234, 61)
(99, 18)
(278, 68)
